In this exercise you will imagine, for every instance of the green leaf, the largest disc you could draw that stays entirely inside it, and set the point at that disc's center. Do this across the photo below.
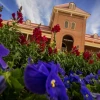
(16, 84)
(17, 73)
(7, 75)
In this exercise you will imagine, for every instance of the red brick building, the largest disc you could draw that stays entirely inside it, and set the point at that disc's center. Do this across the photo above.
(72, 21)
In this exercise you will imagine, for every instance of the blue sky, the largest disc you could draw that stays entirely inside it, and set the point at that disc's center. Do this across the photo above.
(39, 11)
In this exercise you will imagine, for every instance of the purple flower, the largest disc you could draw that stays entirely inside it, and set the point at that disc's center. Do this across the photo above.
(82, 82)
(98, 72)
(74, 78)
(86, 93)
(2, 84)
(98, 97)
(78, 72)
(70, 72)
(67, 82)
(61, 70)
(55, 87)
(96, 77)
(88, 78)
(43, 78)
(35, 78)
(3, 52)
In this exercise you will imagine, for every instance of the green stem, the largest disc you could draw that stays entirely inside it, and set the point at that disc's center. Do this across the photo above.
(54, 39)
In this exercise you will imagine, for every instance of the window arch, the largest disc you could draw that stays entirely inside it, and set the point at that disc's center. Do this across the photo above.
(73, 25)
(66, 24)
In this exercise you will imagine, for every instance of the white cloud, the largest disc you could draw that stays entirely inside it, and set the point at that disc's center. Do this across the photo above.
(38, 11)
(5, 7)
(93, 23)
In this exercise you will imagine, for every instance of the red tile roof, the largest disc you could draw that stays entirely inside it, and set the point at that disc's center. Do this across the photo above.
(90, 38)
(31, 26)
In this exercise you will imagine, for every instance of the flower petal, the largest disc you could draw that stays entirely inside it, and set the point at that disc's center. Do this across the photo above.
(86, 93)
(98, 97)
(42, 67)
(52, 67)
(3, 65)
(3, 51)
(60, 70)
(2, 84)
(98, 72)
(67, 82)
(35, 80)
(58, 92)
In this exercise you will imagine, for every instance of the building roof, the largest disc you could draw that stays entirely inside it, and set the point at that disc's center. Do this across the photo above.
(91, 38)
(30, 26)
(66, 7)
(76, 10)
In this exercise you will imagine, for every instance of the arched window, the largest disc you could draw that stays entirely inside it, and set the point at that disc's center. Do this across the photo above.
(66, 24)
(73, 25)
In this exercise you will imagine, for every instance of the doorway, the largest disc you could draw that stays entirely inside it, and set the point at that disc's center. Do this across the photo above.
(67, 43)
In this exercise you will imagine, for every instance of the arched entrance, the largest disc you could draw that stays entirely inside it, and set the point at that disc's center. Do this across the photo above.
(67, 43)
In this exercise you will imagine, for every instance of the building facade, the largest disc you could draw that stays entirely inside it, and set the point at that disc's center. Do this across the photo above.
(72, 21)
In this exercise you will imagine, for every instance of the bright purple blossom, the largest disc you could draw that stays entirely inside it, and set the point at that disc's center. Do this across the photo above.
(3, 52)
(74, 78)
(67, 82)
(88, 78)
(43, 78)
(86, 93)
(55, 87)
(96, 77)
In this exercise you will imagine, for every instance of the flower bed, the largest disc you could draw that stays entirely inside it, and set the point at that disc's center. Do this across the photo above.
(33, 69)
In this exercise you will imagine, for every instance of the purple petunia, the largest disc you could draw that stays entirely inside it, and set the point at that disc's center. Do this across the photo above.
(86, 93)
(43, 78)
(88, 78)
(78, 72)
(3, 52)
(2, 84)
(98, 97)
(67, 82)
(98, 72)
(55, 87)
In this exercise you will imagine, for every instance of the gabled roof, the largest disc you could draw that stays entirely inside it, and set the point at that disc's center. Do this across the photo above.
(66, 7)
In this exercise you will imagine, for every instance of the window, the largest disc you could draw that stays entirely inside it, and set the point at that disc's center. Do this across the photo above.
(66, 24)
(73, 25)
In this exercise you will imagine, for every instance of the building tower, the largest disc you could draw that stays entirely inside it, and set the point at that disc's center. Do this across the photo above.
(72, 21)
